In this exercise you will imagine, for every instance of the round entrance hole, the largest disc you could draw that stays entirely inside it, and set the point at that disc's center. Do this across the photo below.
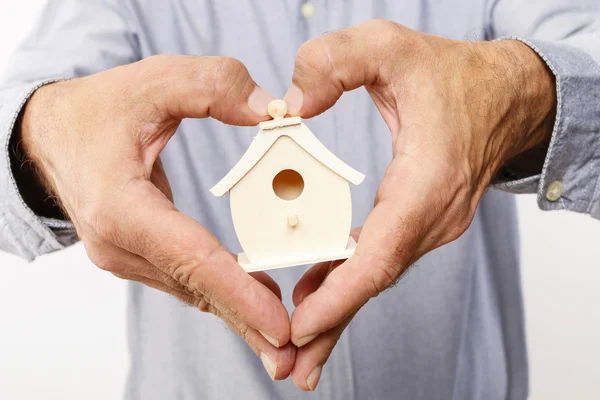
(288, 184)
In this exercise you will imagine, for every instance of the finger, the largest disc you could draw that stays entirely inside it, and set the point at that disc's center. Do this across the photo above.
(311, 358)
(182, 295)
(122, 263)
(278, 362)
(200, 87)
(145, 223)
(269, 282)
(126, 265)
(389, 242)
(266, 280)
(339, 61)
(313, 278)
(346, 289)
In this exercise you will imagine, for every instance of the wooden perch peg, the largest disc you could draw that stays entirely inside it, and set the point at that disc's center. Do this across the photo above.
(293, 220)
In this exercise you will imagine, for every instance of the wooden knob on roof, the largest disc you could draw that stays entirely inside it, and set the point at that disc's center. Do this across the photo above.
(277, 109)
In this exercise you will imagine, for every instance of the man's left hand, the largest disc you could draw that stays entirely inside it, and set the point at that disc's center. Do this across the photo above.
(457, 112)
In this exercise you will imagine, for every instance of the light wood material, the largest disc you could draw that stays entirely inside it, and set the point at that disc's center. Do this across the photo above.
(277, 109)
(293, 220)
(312, 258)
(279, 123)
(303, 137)
(290, 198)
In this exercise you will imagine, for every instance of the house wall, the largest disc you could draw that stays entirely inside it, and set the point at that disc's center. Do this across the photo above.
(260, 218)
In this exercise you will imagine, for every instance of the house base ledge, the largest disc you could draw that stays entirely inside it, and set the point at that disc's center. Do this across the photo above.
(305, 259)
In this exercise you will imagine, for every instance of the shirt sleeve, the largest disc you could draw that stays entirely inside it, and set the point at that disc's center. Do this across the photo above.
(71, 38)
(566, 35)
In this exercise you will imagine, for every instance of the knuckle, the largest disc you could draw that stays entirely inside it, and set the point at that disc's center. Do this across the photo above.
(385, 271)
(384, 277)
(183, 273)
(244, 332)
(373, 287)
(191, 271)
(226, 66)
(314, 56)
(202, 304)
(230, 78)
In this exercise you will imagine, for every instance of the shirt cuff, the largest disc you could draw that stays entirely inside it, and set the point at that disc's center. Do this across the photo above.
(570, 175)
(21, 231)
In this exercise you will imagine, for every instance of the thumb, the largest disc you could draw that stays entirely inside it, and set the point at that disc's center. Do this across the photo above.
(200, 87)
(334, 63)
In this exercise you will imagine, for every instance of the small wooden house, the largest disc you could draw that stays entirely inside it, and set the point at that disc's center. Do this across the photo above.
(290, 199)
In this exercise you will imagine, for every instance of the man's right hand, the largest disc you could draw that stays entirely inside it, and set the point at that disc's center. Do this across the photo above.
(95, 142)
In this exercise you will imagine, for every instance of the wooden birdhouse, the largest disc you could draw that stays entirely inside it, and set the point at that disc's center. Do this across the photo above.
(290, 197)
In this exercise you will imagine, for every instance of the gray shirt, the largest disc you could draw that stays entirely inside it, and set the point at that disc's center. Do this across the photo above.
(453, 328)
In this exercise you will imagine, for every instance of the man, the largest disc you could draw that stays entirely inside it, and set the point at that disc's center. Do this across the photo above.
(458, 116)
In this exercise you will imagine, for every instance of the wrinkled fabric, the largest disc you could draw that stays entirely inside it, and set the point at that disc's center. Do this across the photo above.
(453, 327)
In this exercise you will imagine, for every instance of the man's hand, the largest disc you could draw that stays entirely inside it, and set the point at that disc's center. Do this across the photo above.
(457, 112)
(96, 141)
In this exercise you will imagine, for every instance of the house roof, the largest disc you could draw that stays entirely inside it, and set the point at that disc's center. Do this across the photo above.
(267, 136)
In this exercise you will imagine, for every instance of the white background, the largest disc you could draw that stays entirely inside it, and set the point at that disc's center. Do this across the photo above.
(62, 321)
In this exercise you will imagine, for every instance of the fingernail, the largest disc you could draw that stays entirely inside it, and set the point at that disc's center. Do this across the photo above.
(306, 339)
(294, 98)
(259, 101)
(313, 378)
(269, 365)
(271, 339)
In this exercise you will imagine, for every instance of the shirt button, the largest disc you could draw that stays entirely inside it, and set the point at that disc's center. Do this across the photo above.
(307, 9)
(555, 190)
